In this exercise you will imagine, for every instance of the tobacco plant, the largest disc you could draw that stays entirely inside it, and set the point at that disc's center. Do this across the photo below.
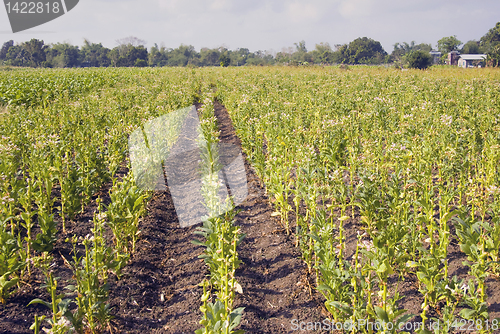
(63, 321)
(70, 185)
(335, 278)
(10, 262)
(220, 236)
(27, 221)
(91, 275)
(128, 205)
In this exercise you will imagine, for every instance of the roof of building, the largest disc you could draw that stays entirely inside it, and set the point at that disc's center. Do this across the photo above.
(473, 56)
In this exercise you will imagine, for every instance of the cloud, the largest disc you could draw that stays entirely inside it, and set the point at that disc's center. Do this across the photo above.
(355, 8)
(265, 24)
(221, 4)
(299, 11)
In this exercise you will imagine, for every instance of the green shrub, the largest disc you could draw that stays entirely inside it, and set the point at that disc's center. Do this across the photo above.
(419, 59)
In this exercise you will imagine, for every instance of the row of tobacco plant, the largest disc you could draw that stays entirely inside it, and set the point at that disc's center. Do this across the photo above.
(220, 236)
(409, 159)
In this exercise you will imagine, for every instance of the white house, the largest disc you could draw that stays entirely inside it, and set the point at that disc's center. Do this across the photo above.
(471, 60)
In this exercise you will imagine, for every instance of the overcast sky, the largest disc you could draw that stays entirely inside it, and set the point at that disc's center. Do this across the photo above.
(263, 24)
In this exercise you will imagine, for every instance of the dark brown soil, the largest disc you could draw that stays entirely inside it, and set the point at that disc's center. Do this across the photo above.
(165, 267)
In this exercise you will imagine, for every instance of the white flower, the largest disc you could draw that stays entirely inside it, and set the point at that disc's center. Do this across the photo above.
(493, 190)
(447, 120)
(367, 244)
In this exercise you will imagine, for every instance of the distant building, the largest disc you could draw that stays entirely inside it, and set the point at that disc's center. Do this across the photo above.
(436, 56)
(471, 60)
(453, 58)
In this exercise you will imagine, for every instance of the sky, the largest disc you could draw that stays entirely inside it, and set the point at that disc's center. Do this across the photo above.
(263, 24)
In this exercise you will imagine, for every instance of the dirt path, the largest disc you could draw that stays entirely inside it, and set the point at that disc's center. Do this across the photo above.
(159, 293)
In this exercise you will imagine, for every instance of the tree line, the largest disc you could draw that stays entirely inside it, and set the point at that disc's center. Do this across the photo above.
(131, 52)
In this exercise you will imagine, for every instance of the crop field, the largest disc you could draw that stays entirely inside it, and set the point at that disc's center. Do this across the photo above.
(373, 202)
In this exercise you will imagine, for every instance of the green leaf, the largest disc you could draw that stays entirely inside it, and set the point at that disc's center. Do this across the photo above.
(404, 319)
(198, 242)
(467, 313)
(38, 320)
(421, 276)
(323, 287)
(341, 307)
(381, 314)
(9, 284)
(465, 248)
(385, 268)
(39, 301)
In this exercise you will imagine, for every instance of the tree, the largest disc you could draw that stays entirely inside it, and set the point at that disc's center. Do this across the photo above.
(255, 61)
(491, 38)
(285, 56)
(139, 62)
(448, 44)
(419, 59)
(16, 56)
(5, 49)
(129, 49)
(209, 57)
(181, 56)
(493, 56)
(471, 47)
(157, 56)
(300, 54)
(35, 52)
(239, 57)
(301, 46)
(490, 44)
(137, 56)
(423, 47)
(127, 55)
(63, 55)
(224, 60)
(322, 54)
(131, 40)
(94, 55)
(402, 49)
(362, 50)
